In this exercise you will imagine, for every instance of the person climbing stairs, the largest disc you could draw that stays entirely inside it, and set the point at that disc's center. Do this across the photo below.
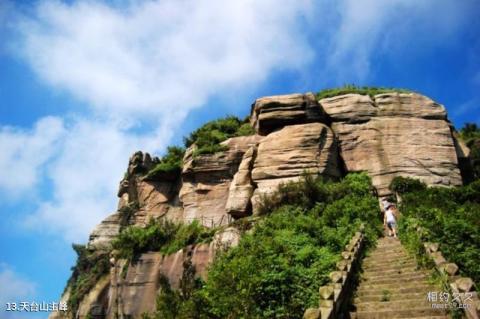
(392, 286)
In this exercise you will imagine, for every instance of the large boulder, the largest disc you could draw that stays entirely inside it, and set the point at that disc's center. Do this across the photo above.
(286, 154)
(206, 181)
(273, 112)
(241, 187)
(106, 231)
(351, 108)
(407, 136)
(357, 108)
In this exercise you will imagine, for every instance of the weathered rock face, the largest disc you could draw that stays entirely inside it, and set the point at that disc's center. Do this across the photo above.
(157, 199)
(395, 134)
(134, 292)
(95, 302)
(273, 112)
(286, 154)
(206, 181)
(241, 187)
(106, 231)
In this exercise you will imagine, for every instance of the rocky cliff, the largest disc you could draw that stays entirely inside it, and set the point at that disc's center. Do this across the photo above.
(386, 135)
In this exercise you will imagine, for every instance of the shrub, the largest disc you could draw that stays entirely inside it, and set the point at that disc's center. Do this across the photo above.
(170, 164)
(90, 267)
(162, 235)
(245, 130)
(451, 217)
(470, 134)
(402, 185)
(365, 90)
(208, 137)
(128, 211)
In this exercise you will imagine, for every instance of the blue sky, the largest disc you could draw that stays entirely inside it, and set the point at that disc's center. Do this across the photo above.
(83, 84)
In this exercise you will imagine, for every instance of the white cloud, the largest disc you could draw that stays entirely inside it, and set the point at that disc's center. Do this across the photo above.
(23, 152)
(86, 173)
(369, 29)
(13, 288)
(154, 57)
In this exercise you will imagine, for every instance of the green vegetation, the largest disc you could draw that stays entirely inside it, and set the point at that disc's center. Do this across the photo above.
(91, 266)
(170, 164)
(448, 216)
(470, 134)
(162, 235)
(364, 90)
(402, 185)
(278, 266)
(386, 295)
(208, 137)
(128, 211)
(182, 303)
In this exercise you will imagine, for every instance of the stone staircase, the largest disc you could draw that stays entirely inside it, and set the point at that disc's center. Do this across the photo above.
(392, 286)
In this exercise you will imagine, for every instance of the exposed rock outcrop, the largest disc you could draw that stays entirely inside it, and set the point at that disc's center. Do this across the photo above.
(206, 181)
(134, 287)
(273, 112)
(286, 154)
(106, 231)
(394, 134)
(241, 187)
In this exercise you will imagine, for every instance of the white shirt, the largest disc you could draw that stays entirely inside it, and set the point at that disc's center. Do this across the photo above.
(390, 216)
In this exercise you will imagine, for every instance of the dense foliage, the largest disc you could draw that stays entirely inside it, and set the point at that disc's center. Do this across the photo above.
(208, 137)
(170, 163)
(277, 268)
(90, 267)
(449, 216)
(402, 185)
(162, 235)
(364, 90)
(470, 134)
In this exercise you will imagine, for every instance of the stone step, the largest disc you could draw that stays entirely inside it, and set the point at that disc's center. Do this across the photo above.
(423, 312)
(393, 304)
(392, 272)
(423, 288)
(393, 296)
(390, 254)
(397, 287)
(398, 262)
(386, 250)
(387, 256)
(378, 268)
(392, 243)
(394, 279)
(388, 241)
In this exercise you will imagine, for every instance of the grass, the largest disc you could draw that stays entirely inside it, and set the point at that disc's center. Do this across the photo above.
(386, 295)
(208, 137)
(364, 90)
(170, 165)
